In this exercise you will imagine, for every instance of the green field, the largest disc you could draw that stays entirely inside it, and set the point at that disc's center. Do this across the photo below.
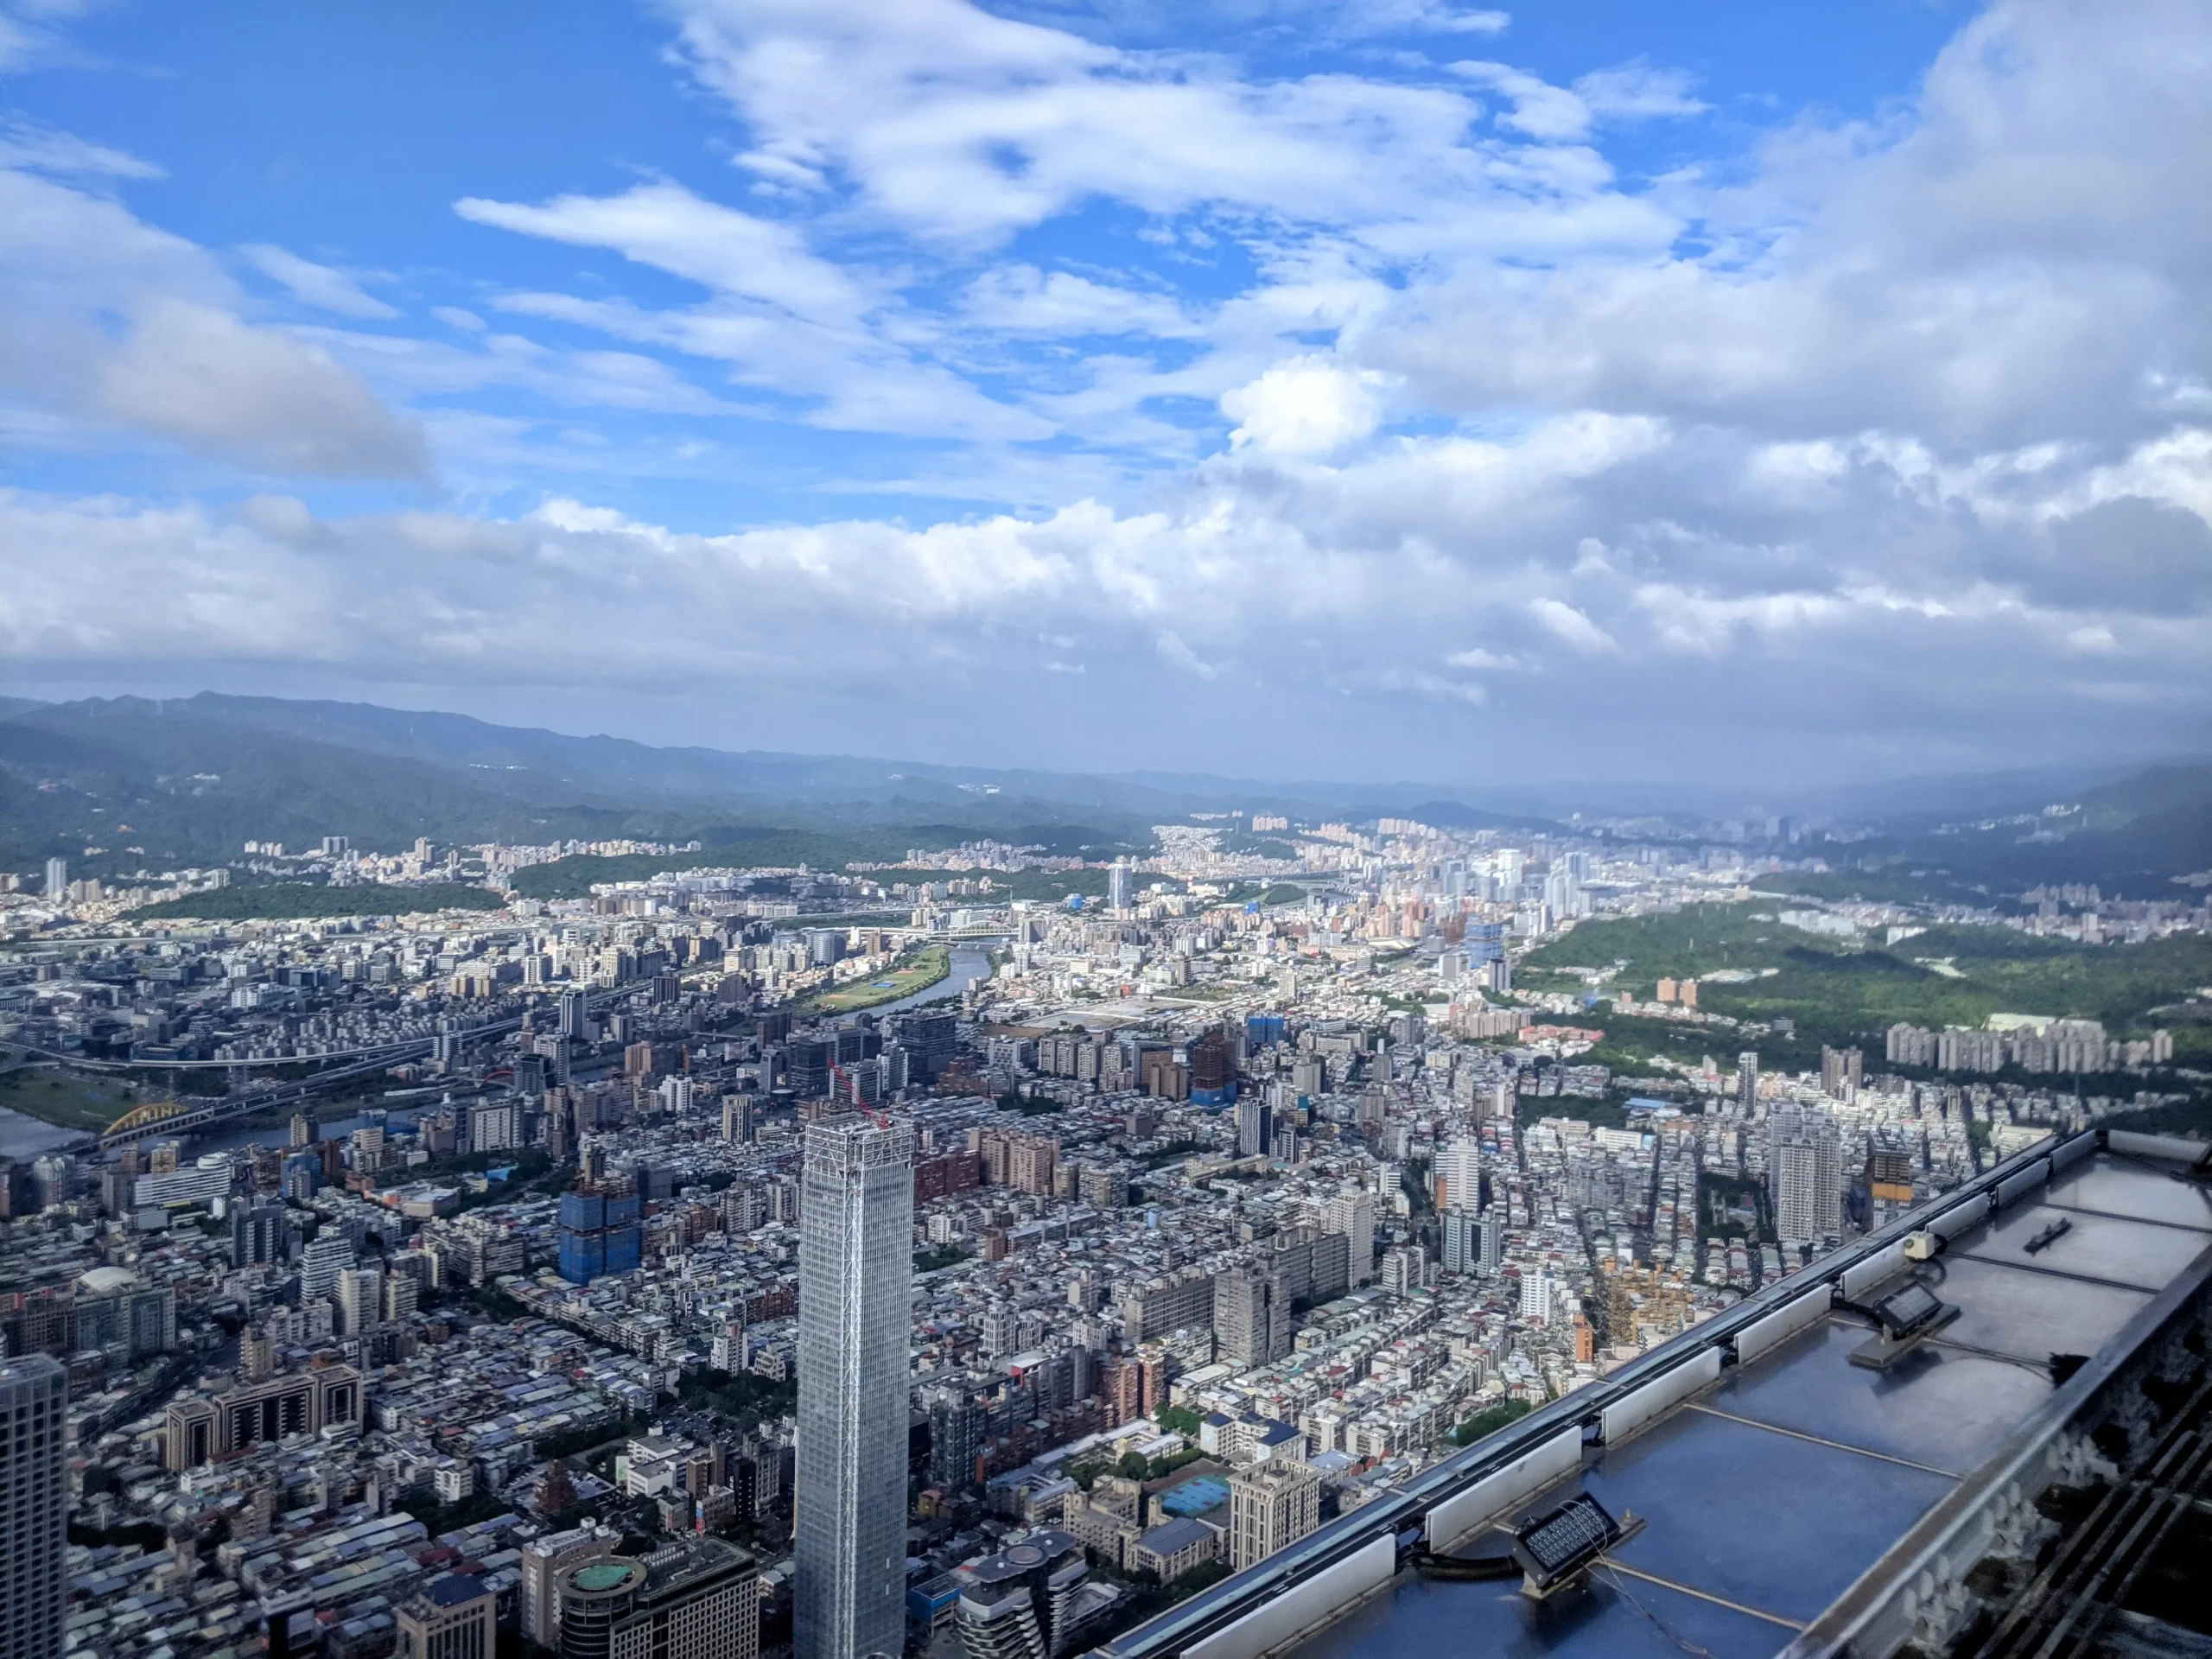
(69, 1102)
(1838, 992)
(932, 964)
(295, 900)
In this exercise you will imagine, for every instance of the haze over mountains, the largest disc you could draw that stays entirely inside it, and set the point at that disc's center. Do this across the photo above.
(191, 779)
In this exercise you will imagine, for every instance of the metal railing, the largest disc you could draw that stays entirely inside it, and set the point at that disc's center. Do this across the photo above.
(1403, 1513)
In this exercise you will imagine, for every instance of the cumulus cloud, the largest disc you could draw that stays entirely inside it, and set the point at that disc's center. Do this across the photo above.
(1888, 441)
(196, 374)
(1306, 406)
(181, 365)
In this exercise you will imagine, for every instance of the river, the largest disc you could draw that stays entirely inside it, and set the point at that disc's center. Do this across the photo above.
(970, 964)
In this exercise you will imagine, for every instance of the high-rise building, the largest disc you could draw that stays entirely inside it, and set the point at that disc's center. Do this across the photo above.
(1271, 1508)
(1493, 1241)
(1251, 1317)
(360, 1300)
(261, 1232)
(958, 1429)
(34, 1504)
(598, 1233)
(1841, 1071)
(326, 1257)
(1536, 1296)
(1458, 1173)
(1806, 1162)
(1016, 1603)
(854, 1346)
(1252, 1127)
(455, 1618)
(696, 1598)
(1747, 1081)
(543, 1560)
(57, 878)
(1117, 884)
(1462, 1241)
(1352, 1213)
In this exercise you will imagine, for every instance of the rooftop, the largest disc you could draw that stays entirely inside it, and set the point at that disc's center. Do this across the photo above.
(1790, 1498)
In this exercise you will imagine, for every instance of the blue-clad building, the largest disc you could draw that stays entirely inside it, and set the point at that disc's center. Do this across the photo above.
(598, 1235)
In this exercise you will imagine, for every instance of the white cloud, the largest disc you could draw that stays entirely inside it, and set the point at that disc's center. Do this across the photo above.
(78, 268)
(320, 286)
(1637, 91)
(1562, 620)
(42, 149)
(199, 376)
(1024, 299)
(1537, 108)
(1420, 17)
(1305, 406)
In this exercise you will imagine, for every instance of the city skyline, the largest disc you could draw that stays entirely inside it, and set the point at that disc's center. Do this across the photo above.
(1412, 391)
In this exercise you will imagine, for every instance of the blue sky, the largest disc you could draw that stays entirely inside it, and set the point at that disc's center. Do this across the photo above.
(1408, 389)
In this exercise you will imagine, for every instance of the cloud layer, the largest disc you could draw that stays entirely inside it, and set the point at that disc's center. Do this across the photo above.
(1376, 417)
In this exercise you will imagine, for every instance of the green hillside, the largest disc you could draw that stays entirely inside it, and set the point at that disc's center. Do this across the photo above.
(1842, 993)
(298, 900)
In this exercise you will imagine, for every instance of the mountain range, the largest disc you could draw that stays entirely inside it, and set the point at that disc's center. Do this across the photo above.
(158, 782)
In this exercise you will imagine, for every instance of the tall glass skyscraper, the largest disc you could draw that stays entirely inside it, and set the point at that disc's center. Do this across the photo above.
(856, 1226)
(34, 1504)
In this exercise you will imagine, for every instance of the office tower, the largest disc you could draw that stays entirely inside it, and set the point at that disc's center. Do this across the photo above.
(1747, 1081)
(572, 1015)
(1271, 1508)
(543, 1560)
(34, 1504)
(855, 1309)
(57, 878)
(696, 1598)
(261, 1232)
(454, 1618)
(1252, 1127)
(1117, 884)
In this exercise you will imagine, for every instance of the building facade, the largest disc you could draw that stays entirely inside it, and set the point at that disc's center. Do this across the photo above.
(34, 1504)
(856, 1265)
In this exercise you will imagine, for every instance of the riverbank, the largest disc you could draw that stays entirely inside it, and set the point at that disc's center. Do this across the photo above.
(932, 966)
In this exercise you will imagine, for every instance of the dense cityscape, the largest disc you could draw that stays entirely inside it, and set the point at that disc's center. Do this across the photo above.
(1088, 829)
(585, 1307)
